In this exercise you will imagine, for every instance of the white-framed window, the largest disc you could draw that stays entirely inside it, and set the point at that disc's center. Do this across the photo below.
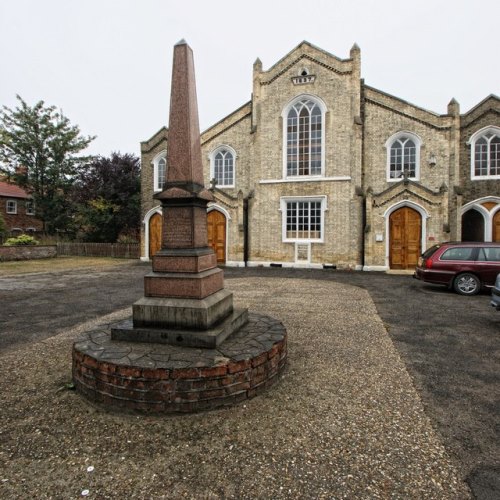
(159, 170)
(485, 153)
(303, 218)
(30, 208)
(403, 156)
(11, 207)
(304, 137)
(223, 166)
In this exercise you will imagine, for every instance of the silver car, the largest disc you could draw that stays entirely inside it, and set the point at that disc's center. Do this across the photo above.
(495, 294)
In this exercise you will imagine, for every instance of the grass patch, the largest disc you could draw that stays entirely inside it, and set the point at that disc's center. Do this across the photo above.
(58, 264)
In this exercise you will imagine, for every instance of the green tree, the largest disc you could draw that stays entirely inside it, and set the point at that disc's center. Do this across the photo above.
(3, 227)
(39, 152)
(108, 192)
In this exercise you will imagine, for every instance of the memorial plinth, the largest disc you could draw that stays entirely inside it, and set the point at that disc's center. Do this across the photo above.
(185, 326)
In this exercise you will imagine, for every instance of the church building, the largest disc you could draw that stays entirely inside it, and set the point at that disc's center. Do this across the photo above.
(319, 169)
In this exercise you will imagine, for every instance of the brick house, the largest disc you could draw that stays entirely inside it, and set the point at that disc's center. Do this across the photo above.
(17, 209)
(320, 169)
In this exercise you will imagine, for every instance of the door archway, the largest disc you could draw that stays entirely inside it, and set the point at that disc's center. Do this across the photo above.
(155, 224)
(216, 227)
(405, 233)
(472, 225)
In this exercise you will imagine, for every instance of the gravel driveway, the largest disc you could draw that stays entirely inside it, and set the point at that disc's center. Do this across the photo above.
(307, 438)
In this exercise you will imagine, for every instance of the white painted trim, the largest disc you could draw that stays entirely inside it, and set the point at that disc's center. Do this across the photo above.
(284, 116)
(256, 263)
(234, 263)
(211, 158)
(472, 143)
(375, 268)
(154, 162)
(145, 221)
(388, 144)
(306, 179)
(387, 214)
(324, 207)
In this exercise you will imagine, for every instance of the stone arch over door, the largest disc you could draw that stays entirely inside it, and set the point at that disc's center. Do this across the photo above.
(472, 225)
(216, 227)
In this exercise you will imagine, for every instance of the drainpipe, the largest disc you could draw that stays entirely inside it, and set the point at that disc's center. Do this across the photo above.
(246, 210)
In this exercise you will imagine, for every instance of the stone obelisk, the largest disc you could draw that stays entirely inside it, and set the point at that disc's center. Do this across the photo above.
(184, 301)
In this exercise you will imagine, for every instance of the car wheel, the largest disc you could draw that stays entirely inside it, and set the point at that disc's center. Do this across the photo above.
(467, 284)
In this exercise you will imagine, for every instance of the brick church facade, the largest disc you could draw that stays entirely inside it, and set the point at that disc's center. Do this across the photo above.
(320, 169)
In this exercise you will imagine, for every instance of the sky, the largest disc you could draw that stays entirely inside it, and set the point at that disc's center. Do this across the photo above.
(107, 63)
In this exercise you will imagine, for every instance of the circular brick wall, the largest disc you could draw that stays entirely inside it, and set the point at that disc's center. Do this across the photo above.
(161, 378)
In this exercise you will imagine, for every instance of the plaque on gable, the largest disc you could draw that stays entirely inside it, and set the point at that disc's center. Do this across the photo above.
(303, 79)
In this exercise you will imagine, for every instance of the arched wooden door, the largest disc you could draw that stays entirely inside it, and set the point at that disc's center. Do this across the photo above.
(155, 223)
(216, 226)
(405, 228)
(496, 227)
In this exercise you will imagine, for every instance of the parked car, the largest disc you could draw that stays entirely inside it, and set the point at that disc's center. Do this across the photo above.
(495, 294)
(467, 267)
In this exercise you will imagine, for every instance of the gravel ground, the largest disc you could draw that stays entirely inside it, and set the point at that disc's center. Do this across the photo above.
(344, 422)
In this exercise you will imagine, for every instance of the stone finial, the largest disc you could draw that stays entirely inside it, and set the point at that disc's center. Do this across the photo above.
(355, 51)
(453, 107)
(257, 65)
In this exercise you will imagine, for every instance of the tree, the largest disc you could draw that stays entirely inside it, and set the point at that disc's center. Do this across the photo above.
(39, 152)
(3, 227)
(108, 192)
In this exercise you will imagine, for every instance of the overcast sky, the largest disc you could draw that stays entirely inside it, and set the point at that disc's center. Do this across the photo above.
(107, 63)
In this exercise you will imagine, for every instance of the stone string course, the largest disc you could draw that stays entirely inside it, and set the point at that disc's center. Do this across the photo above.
(160, 378)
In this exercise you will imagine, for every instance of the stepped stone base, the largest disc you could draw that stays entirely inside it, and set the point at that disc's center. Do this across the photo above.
(161, 378)
(190, 314)
(210, 338)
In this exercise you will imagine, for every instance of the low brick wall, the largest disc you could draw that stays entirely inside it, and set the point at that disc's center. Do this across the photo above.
(27, 252)
(106, 376)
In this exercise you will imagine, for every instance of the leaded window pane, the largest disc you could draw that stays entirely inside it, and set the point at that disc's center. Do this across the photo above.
(304, 135)
(224, 168)
(495, 155)
(403, 157)
(481, 157)
(162, 172)
(303, 220)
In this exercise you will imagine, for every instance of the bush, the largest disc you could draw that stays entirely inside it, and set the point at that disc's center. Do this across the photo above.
(24, 239)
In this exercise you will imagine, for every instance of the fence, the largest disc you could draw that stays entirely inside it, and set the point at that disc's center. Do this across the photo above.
(117, 250)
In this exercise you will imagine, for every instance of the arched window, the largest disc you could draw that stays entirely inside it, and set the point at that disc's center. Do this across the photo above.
(160, 170)
(222, 166)
(485, 153)
(304, 137)
(403, 156)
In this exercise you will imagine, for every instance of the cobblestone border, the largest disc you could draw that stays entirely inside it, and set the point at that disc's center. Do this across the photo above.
(160, 378)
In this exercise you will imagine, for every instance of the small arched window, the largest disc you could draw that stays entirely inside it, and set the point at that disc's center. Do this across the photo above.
(304, 137)
(222, 166)
(403, 156)
(485, 153)
(160, 171)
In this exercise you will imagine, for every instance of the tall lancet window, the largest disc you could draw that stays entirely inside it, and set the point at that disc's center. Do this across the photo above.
(304, 138)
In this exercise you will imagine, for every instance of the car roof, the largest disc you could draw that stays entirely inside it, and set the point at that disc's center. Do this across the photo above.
(470, 243)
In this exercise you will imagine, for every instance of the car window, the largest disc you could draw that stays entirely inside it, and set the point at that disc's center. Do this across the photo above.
(459, 253)
(490, 254)
(430, 251)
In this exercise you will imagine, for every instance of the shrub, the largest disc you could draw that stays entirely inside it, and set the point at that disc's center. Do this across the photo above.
(24, 239)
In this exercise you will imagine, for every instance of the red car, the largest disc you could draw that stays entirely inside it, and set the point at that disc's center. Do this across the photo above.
(467, 267)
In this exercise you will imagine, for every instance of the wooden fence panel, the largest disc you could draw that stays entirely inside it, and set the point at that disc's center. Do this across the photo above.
(116, 250)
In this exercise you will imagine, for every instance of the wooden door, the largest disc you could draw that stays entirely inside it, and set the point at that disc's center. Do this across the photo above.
(216, 226)
(405, 228)
(496, 227)
(155, 223)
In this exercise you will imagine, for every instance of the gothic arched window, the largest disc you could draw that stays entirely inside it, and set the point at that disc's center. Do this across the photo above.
(485, 153)
(304, 138)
